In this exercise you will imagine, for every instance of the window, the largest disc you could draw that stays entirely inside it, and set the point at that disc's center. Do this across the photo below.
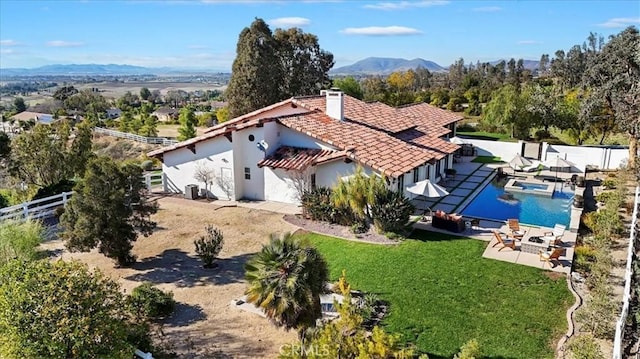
(446, 162)
(247, 173)
(427, 168)
(313, 181)
(438, 168)
(401, 183)
(415, 175)
(251, 138)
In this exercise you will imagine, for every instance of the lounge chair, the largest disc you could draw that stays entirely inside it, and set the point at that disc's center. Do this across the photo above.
(505, 242)
(514, 226)
(550, 256)
(532, 167)
(555, 236)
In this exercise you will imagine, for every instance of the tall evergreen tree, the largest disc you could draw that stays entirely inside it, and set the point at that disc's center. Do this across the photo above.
(188, 122)
(255, 74)
(271, 67)
(613, 79)
(305, 65)
(108, 210)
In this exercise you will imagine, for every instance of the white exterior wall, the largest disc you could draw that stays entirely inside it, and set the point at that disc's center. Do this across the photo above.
(279, 186)
(327, 174)
(289, 137)
(603, 157)
(179, 166)
(247, 155)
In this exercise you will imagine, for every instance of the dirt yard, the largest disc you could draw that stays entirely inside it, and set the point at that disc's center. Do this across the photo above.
(205, 325)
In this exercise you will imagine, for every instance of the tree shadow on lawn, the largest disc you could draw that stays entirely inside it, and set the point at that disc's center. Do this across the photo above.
(178, 267)
(184, 315)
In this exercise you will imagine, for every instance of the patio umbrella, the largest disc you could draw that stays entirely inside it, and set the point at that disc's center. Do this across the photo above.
(457, 140)
(558, 163)
(518, 162)
(427, 188)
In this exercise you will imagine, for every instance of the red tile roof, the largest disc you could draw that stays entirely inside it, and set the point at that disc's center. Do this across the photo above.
(391, 140)
(296, 158)
(378, 150)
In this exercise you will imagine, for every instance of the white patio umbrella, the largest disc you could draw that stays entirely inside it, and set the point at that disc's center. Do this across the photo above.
(518, 162)
(457, 140)
(427, 188)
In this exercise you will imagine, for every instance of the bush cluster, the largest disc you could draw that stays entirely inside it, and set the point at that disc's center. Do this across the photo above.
(150, 302)
(209, 246)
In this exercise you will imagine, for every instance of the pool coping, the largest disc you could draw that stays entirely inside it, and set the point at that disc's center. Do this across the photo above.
(512, 187)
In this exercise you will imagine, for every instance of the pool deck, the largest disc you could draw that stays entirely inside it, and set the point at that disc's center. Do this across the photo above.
(470, 179)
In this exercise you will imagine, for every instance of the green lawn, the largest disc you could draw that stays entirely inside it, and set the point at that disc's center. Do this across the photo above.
(487, 159)
(488, 136)
(442, 293)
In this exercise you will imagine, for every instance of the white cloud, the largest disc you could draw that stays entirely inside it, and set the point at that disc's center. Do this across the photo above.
(60, 43)
(529, 42)
(9, 43)
(487, 9)
(289, 22)
(399, 5)
(619, 22)
(381, 31)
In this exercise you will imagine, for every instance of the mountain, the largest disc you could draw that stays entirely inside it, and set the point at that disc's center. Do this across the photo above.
(385, 65)
(96, 69)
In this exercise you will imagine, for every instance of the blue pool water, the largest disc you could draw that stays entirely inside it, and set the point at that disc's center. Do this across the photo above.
(494, 203)
(530, 186)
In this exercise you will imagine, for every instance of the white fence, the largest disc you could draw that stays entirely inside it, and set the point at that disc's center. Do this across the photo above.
(130, 136)
(601, 156)
(40, 208)
(620, 325)
(45, 207)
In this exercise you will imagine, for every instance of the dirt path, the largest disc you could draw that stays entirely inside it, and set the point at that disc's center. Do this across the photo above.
(204, 324)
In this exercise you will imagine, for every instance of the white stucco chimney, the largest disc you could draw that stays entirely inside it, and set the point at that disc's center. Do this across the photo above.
(335, 103)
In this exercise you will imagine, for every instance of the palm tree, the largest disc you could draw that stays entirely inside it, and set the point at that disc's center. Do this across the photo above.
(286, 279)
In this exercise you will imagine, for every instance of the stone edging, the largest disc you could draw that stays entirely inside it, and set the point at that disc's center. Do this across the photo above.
(560, 348)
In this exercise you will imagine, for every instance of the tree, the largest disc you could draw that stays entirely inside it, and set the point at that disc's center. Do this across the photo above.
(19, 105)
(270, 67)
(358, 193)
(349, 86)
(5, 146)
(222, 114)
(150, 126)
(188, 122)
(305, 66)
(507, 110)
(64, 93)
(108, 210)
(46, 156)
(204, 174)
(286, 279)
(255, 71)
(19, 240)
(145, 94)
(61, 310)
(613, 80)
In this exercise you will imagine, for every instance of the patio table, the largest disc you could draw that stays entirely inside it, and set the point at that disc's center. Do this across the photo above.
(527, 246)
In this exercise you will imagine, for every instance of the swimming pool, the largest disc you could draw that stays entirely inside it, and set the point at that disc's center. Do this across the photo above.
(494, 203)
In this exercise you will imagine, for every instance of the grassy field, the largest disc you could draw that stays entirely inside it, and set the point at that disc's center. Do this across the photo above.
(488, 136)
(487, 159)
(442, 293)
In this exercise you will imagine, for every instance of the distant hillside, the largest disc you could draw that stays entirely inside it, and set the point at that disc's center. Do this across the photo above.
(385, 65)
(97, 69)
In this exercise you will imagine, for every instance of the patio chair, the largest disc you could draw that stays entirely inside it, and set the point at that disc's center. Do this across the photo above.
(505, 242)
(514, 226)
(555, 236)
(551, 256)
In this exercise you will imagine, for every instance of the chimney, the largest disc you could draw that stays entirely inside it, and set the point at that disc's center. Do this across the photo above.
(335, 103)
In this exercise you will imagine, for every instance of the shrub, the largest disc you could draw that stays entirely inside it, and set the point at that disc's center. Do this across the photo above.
(317, 204)
(470, 350)
(359, 227)
(54, 189)
(150, 302)
(585, 255)
(146, 165)
(209, 246)
(19, 240)
(584, 347)
(391, 211)
(610, 182)
(465, 127)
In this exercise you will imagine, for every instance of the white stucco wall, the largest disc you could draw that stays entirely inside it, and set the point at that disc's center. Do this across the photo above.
(289, 137)
(327, 174)
(247, 155)
(179, 166)
(279, 186)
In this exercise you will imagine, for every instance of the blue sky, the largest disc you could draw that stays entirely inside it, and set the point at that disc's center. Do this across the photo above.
(203, 34)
